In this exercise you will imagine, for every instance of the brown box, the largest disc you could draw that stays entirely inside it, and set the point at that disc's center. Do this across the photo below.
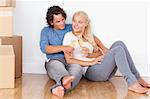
(0, 41)
(6, 21)
(7, 66)
(16, 41)
(7, 3)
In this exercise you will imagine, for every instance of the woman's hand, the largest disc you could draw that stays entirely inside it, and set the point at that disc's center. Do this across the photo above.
(85, 50)
(97, 60)
(105, 50)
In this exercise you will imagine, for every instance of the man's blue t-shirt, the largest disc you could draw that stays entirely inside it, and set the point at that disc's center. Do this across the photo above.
(50, 36)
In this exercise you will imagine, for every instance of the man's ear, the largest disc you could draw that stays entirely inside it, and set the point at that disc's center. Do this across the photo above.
(51, 23)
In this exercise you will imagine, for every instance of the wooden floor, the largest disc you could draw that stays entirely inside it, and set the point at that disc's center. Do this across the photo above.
(32, 86)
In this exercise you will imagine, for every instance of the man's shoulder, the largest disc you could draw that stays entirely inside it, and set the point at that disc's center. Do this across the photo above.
(46, 28)
(68, 27)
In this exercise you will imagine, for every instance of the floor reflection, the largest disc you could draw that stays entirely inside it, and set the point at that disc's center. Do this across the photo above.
(38, 87)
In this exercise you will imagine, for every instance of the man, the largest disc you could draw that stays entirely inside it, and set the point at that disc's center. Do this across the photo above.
(51, 44)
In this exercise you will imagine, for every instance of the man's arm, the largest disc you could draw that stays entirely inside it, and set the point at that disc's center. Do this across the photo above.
(55, 49)
(49, 49)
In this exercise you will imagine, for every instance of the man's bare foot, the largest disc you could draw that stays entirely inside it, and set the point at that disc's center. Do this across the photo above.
(58, 91)
(148, 92)
(144, 83)
(136, 87)
(66, 81)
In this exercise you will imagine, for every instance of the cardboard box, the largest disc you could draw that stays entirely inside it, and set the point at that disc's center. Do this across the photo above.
(0, 41)
(6, 21)
(13, 3)
(16, 41)
(7, 66)
(7, 3)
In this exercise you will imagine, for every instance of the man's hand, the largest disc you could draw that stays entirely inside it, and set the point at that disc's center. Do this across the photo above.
(67, 49)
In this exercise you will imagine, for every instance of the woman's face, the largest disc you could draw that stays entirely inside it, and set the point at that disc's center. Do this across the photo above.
(78, 24)
(58, 22)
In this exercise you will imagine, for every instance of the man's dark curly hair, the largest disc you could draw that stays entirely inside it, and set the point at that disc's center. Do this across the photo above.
(54, 10)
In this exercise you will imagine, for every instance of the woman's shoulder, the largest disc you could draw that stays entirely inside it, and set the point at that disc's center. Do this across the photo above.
(69, 34)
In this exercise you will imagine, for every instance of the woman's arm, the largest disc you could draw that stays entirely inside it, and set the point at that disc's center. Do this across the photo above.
(91, 55)
(95, 54)
(100, 45)
(102, 49)
(71, 60)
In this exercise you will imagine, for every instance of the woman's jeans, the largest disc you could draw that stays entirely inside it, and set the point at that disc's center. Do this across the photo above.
(119, 57)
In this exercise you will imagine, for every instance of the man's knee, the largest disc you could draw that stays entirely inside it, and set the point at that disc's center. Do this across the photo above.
(75, 69)
(54, 64)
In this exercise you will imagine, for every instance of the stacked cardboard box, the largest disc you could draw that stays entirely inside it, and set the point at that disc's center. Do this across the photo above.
(7, 3)
(16, 41)
(6, 33)
(7, 66)
(10, 57)
(6, 21)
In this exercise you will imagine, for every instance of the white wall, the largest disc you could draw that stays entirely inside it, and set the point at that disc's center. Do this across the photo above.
(148, 37)
(112, 20)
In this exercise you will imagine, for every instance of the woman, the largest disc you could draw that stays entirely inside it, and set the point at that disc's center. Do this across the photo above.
(99, 63)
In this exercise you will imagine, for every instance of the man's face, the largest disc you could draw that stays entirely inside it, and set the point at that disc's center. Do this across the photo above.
(58, 22)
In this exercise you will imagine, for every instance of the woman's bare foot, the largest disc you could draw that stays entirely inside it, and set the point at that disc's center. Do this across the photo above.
(66, 81)
(144, 83)
(136, 87)
(58, 91)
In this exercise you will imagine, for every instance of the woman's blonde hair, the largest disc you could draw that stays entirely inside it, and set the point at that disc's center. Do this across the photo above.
(87, 35)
